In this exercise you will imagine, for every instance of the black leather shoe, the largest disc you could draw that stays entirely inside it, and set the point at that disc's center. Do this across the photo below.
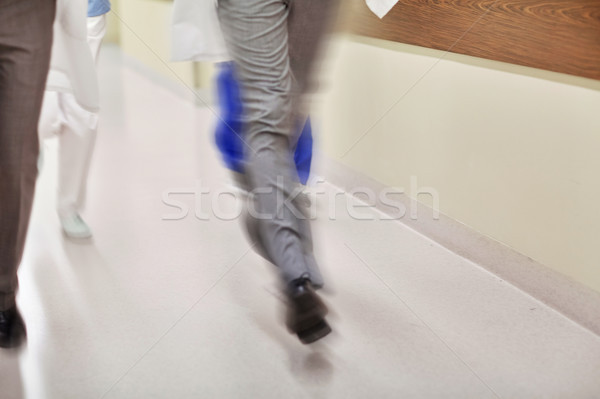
(306, 312)
(12, 328)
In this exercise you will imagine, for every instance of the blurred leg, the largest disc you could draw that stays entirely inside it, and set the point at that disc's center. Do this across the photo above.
(76, 147)
(25, 43)
(309, 23)
(256, 32)
(274, 44)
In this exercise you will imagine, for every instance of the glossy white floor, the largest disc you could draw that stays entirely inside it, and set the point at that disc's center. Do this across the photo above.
(155, 308)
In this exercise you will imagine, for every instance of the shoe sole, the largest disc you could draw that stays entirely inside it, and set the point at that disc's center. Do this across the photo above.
(12, 343)
(14, 338)
(77, 236)
(310, 324)
(314, 333)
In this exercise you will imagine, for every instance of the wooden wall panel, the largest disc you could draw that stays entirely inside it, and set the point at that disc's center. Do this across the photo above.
(557, 35)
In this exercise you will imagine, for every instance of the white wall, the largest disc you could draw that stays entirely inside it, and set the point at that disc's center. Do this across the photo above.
(513, 152)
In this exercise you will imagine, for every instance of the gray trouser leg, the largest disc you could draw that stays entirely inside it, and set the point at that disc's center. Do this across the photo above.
(25, 41)
(274, 45)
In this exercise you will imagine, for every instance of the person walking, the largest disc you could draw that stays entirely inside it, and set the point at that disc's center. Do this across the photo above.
(25, 47)
(70, 108)
(275, 44)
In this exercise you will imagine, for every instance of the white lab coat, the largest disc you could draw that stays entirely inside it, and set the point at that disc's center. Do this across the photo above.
(72, 68)
(196, 34)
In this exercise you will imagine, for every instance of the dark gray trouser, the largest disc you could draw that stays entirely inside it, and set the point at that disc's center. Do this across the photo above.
(274, 44)
(25, 44)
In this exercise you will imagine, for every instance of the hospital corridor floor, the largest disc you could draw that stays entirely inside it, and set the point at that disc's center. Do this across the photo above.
(169, 299)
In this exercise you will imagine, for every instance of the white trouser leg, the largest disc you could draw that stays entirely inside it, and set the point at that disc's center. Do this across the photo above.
(77, 136)
(76, 144)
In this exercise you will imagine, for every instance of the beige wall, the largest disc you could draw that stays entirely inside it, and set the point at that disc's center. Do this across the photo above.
(142, 28)
(513, 152)
(113, 26)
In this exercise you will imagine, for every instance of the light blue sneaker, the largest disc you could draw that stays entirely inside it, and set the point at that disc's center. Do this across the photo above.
(74, 226)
